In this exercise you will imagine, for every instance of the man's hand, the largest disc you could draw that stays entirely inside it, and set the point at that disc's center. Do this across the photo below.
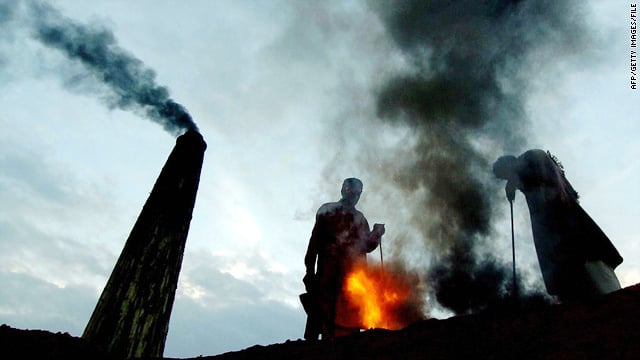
(510, 190)
(378, 229)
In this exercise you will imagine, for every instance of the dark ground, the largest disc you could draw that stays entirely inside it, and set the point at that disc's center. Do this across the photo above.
(606, 329)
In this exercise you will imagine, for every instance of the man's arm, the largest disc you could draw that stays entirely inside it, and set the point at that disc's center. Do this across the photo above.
(312, 250)
(369, 240)
(310, 257)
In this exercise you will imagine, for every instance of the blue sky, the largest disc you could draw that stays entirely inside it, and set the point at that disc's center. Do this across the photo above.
(282, 94)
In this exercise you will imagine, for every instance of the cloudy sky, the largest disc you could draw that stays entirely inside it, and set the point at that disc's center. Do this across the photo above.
(284, 94)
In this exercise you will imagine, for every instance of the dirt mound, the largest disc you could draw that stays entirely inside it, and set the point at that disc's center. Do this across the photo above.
(604, 329)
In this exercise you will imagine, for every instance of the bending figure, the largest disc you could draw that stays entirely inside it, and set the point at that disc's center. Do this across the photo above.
(576, 258)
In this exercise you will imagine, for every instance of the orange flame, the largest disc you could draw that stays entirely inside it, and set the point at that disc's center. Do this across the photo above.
(382, 299)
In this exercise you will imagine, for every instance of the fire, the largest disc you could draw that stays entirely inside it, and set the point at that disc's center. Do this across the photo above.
(382, 299)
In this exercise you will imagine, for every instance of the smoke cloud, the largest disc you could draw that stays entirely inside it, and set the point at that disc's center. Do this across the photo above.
(132, 85)
(464, 100)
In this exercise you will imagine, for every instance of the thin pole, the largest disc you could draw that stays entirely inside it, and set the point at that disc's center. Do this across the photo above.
(513, 252)
(381, 260)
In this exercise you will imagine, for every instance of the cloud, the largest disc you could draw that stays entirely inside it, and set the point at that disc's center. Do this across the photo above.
(196, 329)
(31, 303)
(6, 14)
(56, 259)
(229, 302)
(41, 231)
(246, 275)
(26, 176)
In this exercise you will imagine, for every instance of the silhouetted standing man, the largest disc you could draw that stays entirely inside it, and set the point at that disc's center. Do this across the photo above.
(576, 258)
(340, 237)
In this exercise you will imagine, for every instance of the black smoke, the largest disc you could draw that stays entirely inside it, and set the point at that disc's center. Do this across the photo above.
(464, 98)
(132, 85)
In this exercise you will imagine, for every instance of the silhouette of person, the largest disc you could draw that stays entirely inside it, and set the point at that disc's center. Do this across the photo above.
(340, 237)
(576, 258)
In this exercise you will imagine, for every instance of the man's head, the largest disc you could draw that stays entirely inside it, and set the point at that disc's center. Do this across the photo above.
(351, 190)
(505, 167)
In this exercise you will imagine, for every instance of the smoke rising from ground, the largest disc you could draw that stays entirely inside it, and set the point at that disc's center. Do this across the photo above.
(464, 100)
(132, 85)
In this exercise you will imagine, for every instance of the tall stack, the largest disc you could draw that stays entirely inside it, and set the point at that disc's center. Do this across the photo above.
(131, 318)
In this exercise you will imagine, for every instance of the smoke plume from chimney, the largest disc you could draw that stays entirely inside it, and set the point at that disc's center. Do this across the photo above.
(132, 85)
(464, 101)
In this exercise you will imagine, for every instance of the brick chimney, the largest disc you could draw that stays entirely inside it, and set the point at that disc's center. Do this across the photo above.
(131, 318)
